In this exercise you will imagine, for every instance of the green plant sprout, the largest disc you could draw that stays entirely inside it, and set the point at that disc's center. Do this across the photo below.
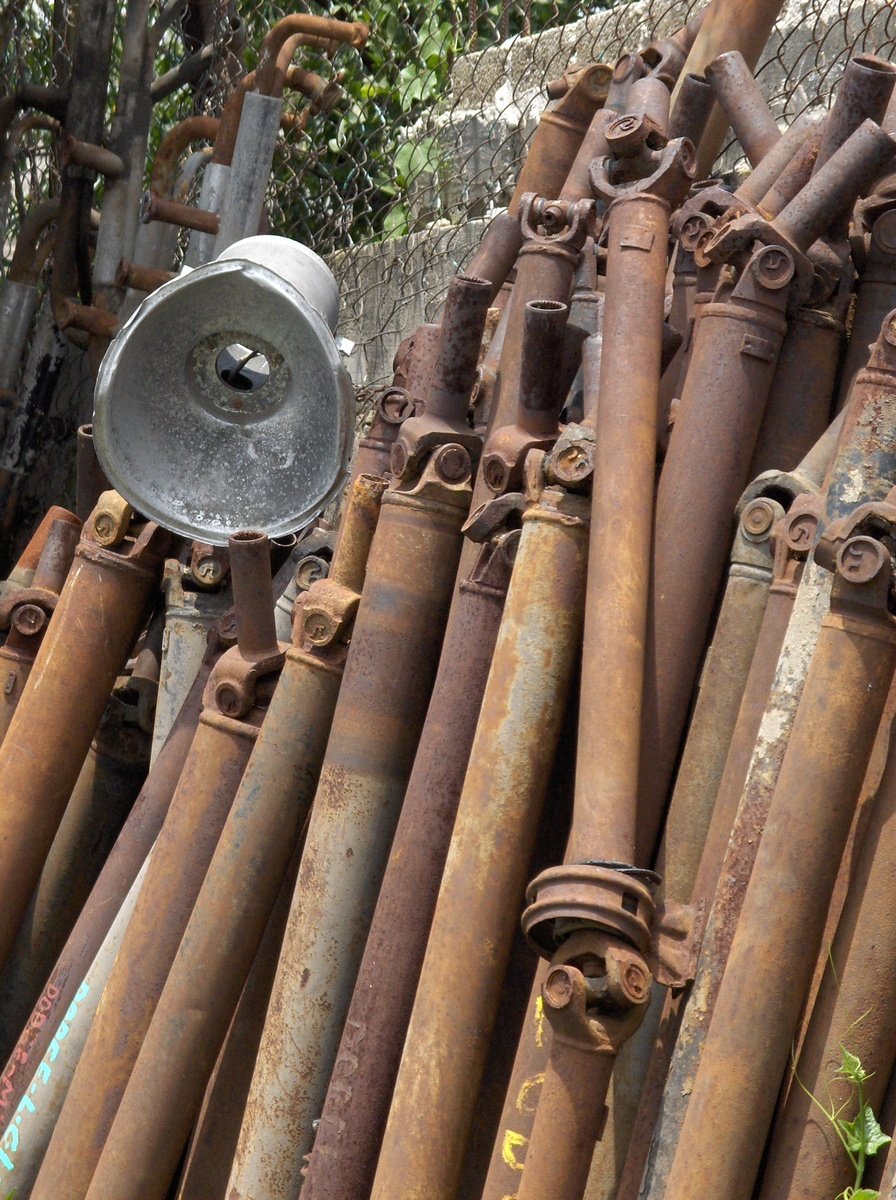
(862, 1137)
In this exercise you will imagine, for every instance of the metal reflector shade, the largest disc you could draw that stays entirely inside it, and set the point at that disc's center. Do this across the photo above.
(223, 405)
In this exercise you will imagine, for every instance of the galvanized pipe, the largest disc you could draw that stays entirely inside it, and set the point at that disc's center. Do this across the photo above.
(234, 709)
(99, 614)
(397, 635)
(248, 178)
(235, 901)
(494, 833)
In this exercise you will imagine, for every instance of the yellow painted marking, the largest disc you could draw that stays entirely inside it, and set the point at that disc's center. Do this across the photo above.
(524, 1101)
(512, 1142)
(539, 1021)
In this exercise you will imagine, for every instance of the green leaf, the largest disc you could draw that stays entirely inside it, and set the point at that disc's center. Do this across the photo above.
(865, 1194)
(864, 1134)
(851, 1067)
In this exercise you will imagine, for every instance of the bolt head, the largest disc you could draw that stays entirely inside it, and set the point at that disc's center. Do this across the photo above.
(452, 463)
(29, 620)
(861, 559)
(558, 987)
(758, 518)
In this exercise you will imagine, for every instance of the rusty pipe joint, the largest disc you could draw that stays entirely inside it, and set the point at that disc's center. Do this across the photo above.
(209, 565)
(596, 992)
(325, 614)
(665, 173)
(843, 543)
(563, 226)
(27, 611)
(612, 897)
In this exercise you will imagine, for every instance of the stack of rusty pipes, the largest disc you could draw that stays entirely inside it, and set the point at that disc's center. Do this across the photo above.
(304, 934)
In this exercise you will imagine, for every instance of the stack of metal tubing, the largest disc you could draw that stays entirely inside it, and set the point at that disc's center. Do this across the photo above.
(530, 834)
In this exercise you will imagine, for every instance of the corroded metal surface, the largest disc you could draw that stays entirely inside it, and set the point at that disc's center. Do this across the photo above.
(449, 1032)
(370, 753)
(234, 904)
(209, 780)
(354, 1114)
(114, 586)
(785, 904)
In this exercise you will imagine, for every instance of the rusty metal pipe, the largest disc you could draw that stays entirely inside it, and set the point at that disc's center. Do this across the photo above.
(172, 212)
(764, 175)
(96, 919)
(692, 108)
(539, 399)
(236, 699)
(786, 901)
(855, 1007)
(744, 27)
(234, 905)
(99, 613)
(91, 479)
(32, 227)
(397, 635)
(604, 814)
(559, 134)
(497, 252)
(627, 69)
(450, 1027)
(351, 33)
(449, 374)
(832, 190)
(864, 463)
(863, 95)
(799, 403)
(250, 570)
(736, 346)
(113, 774)
(353, 1117)
(649, 97)
(197, 128)
(744, 105)
(97, 158)
(212, 1145)
(875, 297)
(795, 175)
(22, 573)
(602, 843)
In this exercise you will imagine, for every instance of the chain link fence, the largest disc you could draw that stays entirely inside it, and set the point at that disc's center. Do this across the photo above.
(394, 183)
